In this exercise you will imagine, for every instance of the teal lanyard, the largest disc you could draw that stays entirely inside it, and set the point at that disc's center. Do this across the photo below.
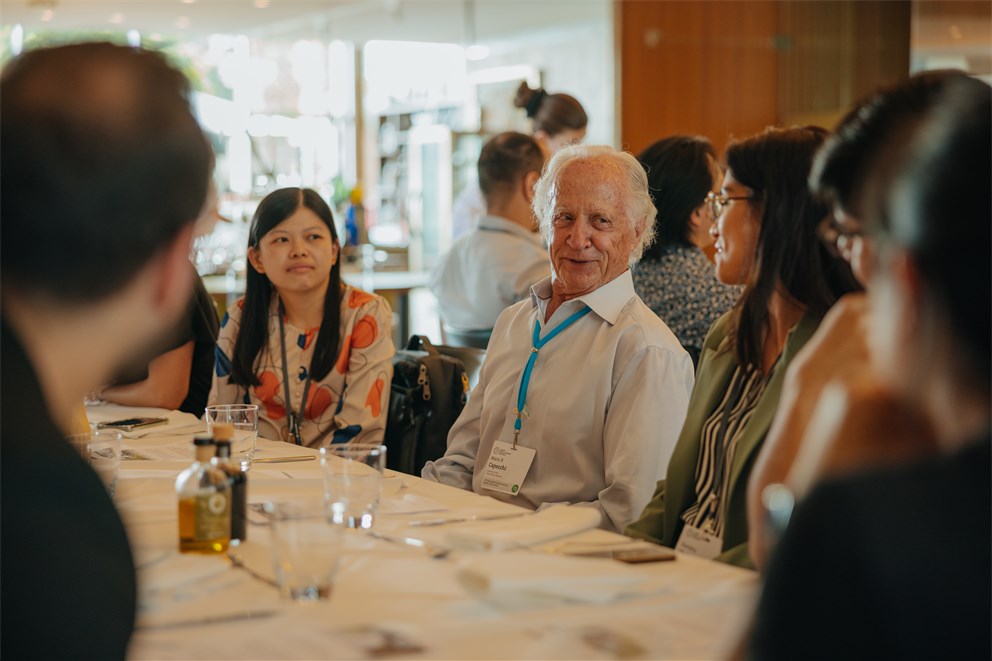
(538, 343)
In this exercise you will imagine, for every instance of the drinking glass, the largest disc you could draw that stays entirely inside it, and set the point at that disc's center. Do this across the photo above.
(244, 418)
(353, 483)
(102, 450)
(305, 549)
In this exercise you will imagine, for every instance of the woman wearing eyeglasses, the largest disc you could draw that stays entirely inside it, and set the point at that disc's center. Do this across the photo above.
(766, 240)
(674, 277)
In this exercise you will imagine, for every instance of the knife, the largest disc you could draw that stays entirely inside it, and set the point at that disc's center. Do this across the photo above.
(284, 460)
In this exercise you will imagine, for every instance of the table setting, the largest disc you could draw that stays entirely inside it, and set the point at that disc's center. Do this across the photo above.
(346, 559)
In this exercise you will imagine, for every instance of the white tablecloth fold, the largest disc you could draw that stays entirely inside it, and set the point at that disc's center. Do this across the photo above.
(552, 523)
(515, 580)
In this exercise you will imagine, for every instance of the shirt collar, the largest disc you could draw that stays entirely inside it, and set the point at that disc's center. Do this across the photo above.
(500, 224)
(607, 301)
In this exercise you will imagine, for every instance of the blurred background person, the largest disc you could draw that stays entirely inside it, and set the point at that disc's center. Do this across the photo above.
(495, 264)
(675, 277)
(766, 240)
(313, 353)
(556, 119)
(104, 171)
(840, 177)
(895, 561)
(598, 440)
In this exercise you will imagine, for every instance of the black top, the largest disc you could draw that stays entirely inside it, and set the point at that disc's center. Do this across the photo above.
(67, 583)
(204, 326)
(886, 565)
(200, 326)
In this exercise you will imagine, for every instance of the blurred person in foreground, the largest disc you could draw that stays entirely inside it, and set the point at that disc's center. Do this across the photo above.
(841, 176)
(675, 277)
(180, 376)
(494, 265)
(766, 240)
(895, 561)
(104, 171)
(582, 378)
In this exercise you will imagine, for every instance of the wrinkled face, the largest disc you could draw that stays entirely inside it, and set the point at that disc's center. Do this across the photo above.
(736, 233)
(591, 236)
(297, 254)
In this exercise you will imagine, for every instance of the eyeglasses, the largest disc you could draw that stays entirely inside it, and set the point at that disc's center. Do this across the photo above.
(839, 236)
(717, 203)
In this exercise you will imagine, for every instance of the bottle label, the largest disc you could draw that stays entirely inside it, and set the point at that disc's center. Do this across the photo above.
(213, 516)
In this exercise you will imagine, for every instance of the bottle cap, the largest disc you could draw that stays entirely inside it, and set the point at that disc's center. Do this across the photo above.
(199, 441)
(223, 431)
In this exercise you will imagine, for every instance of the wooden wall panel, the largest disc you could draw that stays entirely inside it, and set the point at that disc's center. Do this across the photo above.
(696, 67)
(724, 69)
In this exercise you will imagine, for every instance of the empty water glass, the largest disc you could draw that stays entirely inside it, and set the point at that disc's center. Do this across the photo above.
(244, 419)
(102, 450)
(353, 483)
(305, 549)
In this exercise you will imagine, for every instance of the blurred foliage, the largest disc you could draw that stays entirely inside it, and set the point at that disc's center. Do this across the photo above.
(168, 47)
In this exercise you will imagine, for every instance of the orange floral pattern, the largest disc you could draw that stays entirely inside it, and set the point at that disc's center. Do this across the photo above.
(349, 404)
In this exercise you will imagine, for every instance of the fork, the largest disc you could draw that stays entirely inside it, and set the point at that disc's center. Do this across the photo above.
(435, 552)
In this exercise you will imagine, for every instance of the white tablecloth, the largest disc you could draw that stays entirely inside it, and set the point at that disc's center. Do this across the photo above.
(395, 601)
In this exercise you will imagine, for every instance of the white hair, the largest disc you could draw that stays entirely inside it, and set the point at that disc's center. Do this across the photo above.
(640, 207)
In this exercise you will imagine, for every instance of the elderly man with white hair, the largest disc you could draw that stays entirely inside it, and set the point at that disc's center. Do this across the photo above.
(584, 390)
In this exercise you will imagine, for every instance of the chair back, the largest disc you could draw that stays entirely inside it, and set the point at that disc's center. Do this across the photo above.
(471, 359)
(477, 339)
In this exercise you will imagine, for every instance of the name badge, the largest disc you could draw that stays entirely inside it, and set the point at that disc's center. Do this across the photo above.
(698, 542)
(507, 467)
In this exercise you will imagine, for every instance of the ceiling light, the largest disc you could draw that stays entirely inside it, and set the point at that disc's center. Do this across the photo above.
(47, 15)
(261, 4)
(117, 18)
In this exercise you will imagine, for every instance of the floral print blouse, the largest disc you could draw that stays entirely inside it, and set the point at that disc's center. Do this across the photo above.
(681, 287)
(350, 404)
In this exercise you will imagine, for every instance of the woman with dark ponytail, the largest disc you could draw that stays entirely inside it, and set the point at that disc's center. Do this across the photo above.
(556, 120)
(313, 353)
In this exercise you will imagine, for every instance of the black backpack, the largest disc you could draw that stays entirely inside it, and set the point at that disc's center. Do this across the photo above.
(428, 392)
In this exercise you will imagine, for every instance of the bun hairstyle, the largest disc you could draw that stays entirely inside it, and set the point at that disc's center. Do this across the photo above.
(551, 113)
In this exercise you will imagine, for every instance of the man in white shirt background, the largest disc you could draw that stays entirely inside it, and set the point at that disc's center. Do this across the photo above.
(584, 390)
(494, 265)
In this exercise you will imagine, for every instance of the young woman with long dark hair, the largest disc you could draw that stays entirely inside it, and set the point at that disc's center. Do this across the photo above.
(313, 353)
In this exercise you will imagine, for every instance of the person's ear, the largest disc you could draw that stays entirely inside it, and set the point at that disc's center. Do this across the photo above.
(255, 259)
(335, 252)
(174, 274)
(906, 275)
(699, 217)
(528, 183)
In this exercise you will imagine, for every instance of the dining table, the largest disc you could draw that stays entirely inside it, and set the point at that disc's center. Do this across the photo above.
(442, 574)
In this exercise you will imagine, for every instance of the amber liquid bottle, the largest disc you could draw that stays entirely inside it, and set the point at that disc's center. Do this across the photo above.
(238, 480)
(204, 494)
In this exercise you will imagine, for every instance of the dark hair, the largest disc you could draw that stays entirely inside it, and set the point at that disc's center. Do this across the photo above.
(679, 177)
(505, 160)
(939, 209)
(102, 165)
(253, 334)
(551, 113)
(841, 166)
(775, 165)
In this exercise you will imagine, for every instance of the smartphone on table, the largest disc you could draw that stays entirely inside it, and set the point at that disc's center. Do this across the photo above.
(130, 424)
